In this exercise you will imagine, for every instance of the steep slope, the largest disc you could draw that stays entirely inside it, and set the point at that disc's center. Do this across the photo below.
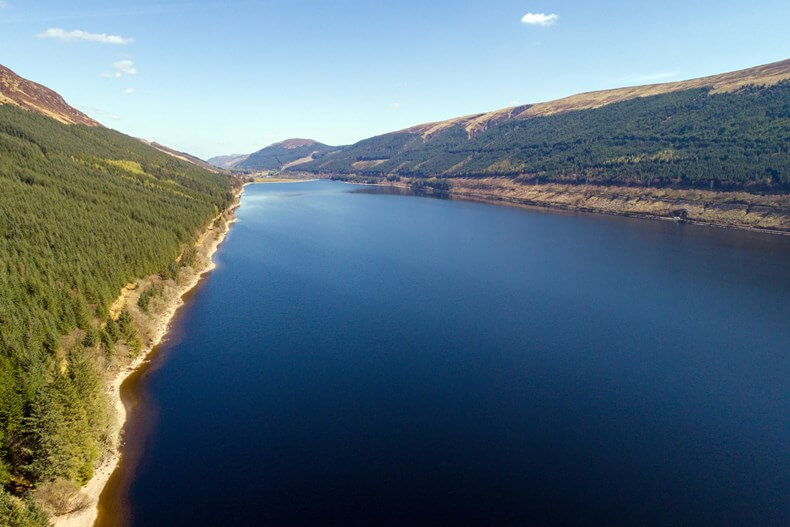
(729, 130)
(286, 154)
(183, 156)
(227, 162)
(29, 95)
(84, 210)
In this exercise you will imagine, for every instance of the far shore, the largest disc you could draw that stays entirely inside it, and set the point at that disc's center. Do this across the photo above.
(157, 328)
(280, 180)
(644, 203)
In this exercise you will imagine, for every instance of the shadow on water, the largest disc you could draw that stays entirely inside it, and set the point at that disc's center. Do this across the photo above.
(142, 417)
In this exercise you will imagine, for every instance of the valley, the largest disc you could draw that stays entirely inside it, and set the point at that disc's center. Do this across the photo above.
(419, 310)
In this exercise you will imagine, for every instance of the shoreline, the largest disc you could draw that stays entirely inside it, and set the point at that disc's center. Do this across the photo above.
(275, 181)
(493, 199)
(87, 516)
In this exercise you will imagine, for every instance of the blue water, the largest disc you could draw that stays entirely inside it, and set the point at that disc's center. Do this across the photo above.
(359, 358)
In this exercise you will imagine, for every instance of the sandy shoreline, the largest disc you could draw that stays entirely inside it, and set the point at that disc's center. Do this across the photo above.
(207, 247)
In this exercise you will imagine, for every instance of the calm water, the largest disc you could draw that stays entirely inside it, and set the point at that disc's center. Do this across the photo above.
(367, 359)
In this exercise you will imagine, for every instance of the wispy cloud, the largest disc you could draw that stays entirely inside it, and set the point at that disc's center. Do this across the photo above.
(540, 19)
(125, 66)
(394, 105)
(121, 68)
(4, 4)
(79, 35)
(129, 91)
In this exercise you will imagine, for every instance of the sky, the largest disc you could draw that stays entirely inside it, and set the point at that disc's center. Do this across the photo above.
(219, 77)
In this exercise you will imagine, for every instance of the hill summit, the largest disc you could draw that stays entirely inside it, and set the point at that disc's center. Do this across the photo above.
(282, 155)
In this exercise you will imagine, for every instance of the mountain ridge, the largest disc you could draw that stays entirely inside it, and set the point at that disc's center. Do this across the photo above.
(18, 91)
(282, 155)
(763, 75)
(723, 131)
(226, 161)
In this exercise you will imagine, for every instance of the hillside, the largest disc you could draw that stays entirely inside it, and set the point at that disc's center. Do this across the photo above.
(183, 156)
(725, 131)
(227, 162)
(84, 211)
(766, 75)
(283, 155)
(29, 95)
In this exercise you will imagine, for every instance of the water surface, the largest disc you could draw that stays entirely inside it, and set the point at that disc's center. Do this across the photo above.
(366, 359)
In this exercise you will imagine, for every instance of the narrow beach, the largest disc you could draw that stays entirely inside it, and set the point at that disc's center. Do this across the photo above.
(206, 245)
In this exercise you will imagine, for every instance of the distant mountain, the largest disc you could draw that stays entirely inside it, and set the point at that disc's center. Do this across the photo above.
(728, 130)
(227, 162)
(29, 95)
(286, 154)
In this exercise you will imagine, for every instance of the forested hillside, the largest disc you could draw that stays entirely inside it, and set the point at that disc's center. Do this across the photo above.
(281, 155)
(226, 162)
(688, 138)
(83, 211)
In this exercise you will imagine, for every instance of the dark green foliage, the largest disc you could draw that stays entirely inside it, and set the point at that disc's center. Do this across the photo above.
(15, 512)
(83, 211)
(58, 439)
(685, 138)
(68, 423)
(435, 184)
(129, 332)
(188, 257)
(91, 338)
(146, 296)
(170, 271)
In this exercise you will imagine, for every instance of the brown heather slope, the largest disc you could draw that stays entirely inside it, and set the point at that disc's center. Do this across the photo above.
(32, 96)
(765, 75)
(291, 144)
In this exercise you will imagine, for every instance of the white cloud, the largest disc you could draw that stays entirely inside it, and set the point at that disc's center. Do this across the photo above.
(394, 105)
(69, 36)
(4, 4)
(125, 67)
(128, 91)
(540, 19)
(121, 67)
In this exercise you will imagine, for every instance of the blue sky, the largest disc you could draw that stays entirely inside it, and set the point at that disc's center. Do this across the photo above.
(216, 77)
